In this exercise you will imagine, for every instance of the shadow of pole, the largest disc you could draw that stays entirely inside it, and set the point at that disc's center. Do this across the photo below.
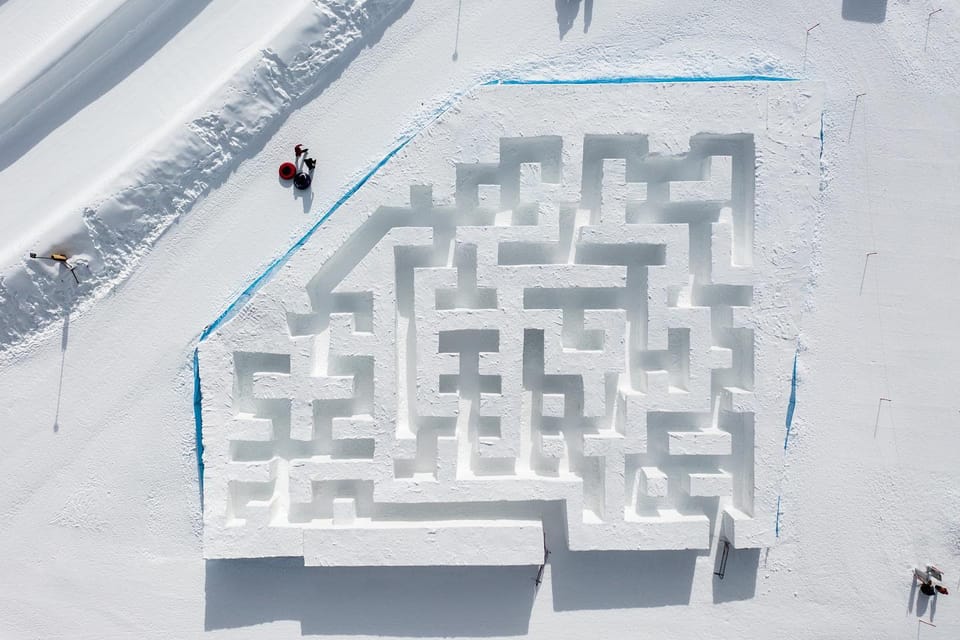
(863, 276)
(806, 44)
(926, 35)
(456, 41)
(853, 116)
(64, 338)
(876, 423)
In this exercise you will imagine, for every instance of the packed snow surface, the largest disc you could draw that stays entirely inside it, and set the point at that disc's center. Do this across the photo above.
(141, 139)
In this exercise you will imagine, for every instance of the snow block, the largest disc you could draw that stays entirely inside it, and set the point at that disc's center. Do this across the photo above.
(707, 484)
(442, 543)
(700, 443)
(746, 532)
(653, 482)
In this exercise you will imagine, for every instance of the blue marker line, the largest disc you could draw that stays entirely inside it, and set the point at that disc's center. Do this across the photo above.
(276, 264)
(639, 80)
(198, 418)
(254, 286)
(792, 403)
(778, 517)
(821, 135)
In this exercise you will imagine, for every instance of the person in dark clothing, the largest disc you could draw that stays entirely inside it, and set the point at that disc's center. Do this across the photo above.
(302, 181)
(311, 163)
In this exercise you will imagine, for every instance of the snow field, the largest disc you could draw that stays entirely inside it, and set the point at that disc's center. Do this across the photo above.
(102, 527)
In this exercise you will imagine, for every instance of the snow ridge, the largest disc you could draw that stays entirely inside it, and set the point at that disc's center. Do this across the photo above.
(119, 230)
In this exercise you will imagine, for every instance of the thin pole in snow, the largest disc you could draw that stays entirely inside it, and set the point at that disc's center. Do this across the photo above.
(856, 102)
(929, 18)
(864, 275)
(456, 42)
(876, 424)
(805, 43)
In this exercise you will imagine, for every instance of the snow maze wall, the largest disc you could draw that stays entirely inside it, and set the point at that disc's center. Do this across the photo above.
(553, 294)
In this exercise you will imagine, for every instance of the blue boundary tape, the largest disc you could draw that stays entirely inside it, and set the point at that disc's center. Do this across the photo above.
(821, 135)
(792, 403)
(258, 282)
(198, 418)
(791, 408)
(639, 80)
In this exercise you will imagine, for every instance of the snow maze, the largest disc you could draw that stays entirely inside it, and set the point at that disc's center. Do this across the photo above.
(552, 294)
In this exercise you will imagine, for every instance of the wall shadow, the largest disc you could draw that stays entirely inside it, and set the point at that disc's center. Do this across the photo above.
(613, 579)
(458, 601)
(740, 577)
(389, 601)
(567, 11)
(922, 603)
(621, 579)
(64, 339)
(874, 11)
